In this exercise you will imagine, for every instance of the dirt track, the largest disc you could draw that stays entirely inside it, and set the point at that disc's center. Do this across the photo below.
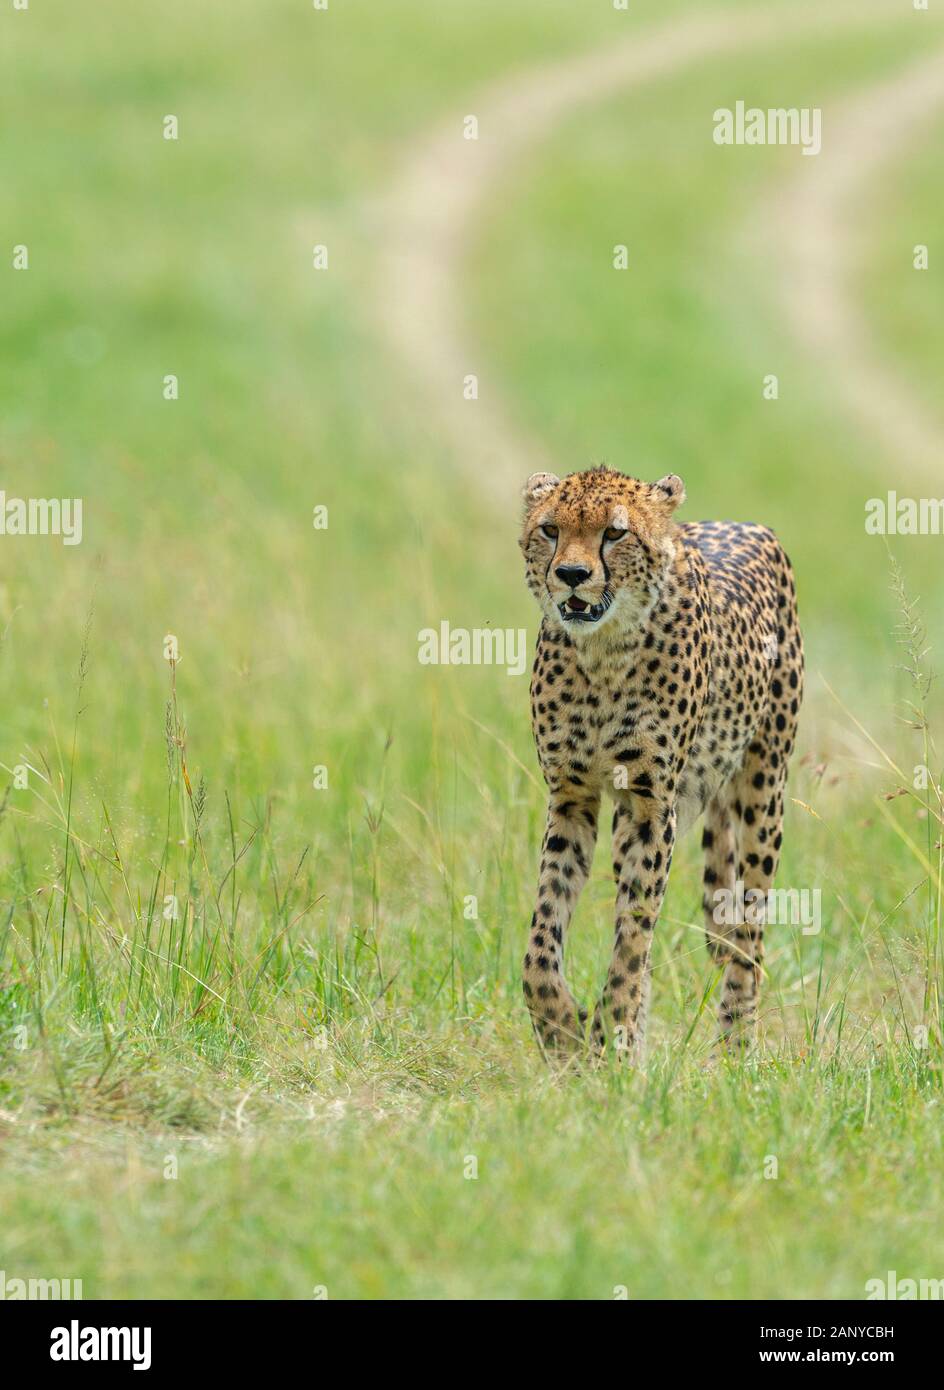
(446, 180)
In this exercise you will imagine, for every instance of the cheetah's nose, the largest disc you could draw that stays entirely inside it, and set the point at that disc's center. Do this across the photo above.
(572, 574)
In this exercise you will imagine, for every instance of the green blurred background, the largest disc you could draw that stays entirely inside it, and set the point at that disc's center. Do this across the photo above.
(299, 646)
(193, 257)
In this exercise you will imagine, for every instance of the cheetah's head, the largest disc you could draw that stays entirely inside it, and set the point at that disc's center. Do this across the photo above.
(597, 546)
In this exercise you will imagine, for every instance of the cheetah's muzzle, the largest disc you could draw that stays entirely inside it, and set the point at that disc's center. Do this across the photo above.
(576, 610)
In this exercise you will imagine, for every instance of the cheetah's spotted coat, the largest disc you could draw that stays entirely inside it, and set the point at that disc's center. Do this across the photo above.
(668, 673)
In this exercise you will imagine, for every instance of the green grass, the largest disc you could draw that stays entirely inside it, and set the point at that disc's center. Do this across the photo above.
(320, 1039)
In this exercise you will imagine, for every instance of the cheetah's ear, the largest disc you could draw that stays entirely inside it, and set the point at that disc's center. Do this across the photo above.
(538, 486)
(669, 490)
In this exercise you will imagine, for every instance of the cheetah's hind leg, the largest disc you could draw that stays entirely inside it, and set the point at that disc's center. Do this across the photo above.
(720, 842)
(758, 803)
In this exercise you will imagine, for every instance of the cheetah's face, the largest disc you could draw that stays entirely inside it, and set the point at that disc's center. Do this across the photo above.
(597, 546)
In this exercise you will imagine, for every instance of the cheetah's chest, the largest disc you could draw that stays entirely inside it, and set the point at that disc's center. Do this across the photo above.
(646, 730)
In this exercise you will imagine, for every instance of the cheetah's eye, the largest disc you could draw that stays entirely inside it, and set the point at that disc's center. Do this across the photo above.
(614, 533)
(550, 531)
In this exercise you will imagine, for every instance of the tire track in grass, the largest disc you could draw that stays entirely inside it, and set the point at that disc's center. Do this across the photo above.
(429, 216)
(817, 223)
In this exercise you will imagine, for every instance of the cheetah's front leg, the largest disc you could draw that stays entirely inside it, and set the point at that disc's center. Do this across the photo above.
(566, 856)
(642, 854)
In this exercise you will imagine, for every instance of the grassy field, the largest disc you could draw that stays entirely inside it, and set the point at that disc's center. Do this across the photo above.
(251, 1042)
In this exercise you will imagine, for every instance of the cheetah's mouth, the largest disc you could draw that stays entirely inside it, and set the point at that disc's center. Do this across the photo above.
(577, 610)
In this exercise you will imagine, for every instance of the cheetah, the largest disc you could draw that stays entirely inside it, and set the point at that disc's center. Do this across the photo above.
(669, 674)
